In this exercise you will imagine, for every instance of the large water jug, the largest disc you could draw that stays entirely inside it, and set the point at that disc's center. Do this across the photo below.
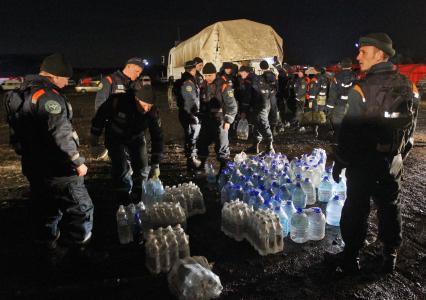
(299, 227)
(279, 211)
(243, 129)
(325, 190)
(334, 211)
(339, 189)
(309, 190)
(289, 210)
(298, 196)
(316, 224)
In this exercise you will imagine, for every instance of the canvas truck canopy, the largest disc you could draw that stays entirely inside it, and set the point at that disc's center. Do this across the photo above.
(228, 41)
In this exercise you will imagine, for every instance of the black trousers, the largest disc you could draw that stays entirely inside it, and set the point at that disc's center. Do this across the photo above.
(60, 205)
(363, 184)
(212, 132)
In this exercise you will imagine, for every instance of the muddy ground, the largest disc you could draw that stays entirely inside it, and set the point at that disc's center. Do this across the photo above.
(296, 273)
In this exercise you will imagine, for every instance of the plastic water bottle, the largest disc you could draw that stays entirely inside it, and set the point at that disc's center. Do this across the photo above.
(316, 224)
(339, 189)
(299, 227)
(225, 192)
(334, 211)
(243, 129)
(279, 211)
(124, 226)
(284, 193)
(309, 190)
(298, 196)
(325, 190)
(289, 210)
(211, 173)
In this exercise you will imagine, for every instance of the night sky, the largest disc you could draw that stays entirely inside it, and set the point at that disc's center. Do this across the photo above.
(105, 34)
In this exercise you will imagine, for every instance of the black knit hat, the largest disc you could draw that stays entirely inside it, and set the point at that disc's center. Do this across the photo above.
(145, 94)
(245, 69)
(198, 60)
(136, 61)
(346, 62)
(379, 40)
(209, 68)
(57, 65)
(189, 65)
(264, 65)
(227, 65)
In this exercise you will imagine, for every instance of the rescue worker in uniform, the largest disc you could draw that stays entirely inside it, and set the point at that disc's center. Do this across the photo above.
(261, 99)
(118, 82)
(218, 111)
(374, 139)
(243, 92)
(271, 80)
(300, 94)
(189, 107)
(337, 101)
(61, 208)
(199, 67)
(125, 117)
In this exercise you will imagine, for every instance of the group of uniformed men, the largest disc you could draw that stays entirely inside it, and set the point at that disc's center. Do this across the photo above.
(369, 148)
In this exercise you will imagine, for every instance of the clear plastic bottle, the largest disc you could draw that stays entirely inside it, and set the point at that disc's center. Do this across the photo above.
(309, 190)
(299, 227)
(243, 129)
(339, 189)
(316, 224)
(334, 211)
(298, 196)
(289, 210)
(325, 190)
(124, 226)
(279, 211)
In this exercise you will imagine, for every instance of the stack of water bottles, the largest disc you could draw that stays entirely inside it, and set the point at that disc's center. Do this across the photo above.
(129, 223)
(163, 214)
(261, 228)
(164, 247)
(286, 188)
(188, 195)
(191, 278)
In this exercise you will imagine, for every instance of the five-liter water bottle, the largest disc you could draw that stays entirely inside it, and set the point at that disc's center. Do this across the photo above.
(334, 211)
(339, 189)
(243, 129)
(279, 211)
(289, 210)
(299, 227)
(124, 226)
(298, 196)
(325, 190)
(316, 224)
(309, 189)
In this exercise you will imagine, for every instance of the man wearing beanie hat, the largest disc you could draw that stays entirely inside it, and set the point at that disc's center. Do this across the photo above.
(188, 101)
(218, 110)
(118, 82)
(229, 72)
(199, 67)
(52, 163)
(337, 101)
(125, 117)
(376, 135)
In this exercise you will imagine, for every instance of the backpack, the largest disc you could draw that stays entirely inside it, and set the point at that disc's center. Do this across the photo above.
(390, 107)
(14, 106)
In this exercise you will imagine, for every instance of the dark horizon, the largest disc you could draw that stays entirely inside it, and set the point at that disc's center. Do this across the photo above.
(103, 35)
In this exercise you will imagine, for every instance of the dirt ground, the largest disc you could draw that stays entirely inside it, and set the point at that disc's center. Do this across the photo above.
(296, 273)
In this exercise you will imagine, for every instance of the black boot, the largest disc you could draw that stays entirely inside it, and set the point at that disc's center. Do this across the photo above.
(349, 264)
(254, 149)
(270, 148)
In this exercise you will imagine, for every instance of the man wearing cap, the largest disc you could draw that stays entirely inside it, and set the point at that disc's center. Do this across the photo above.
(337, 101)
(218, 111)
(375, 137)
(48, 145)
(118, 82)
(189, 107)
(199, 67)
(125, 116)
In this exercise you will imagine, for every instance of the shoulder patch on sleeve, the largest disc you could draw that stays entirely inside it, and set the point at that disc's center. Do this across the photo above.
(188, 88)
(230, 93)
(358, 89)
(52, 107)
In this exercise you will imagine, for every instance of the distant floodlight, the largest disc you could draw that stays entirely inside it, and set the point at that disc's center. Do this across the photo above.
(145, 62)
(356, 45)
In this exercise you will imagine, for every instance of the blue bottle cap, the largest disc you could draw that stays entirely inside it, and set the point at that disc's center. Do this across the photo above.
(325, 178)
(288, 202)
(336, 198)
(299, 210)
(316, 210)
(307, 180)
(262, 187)
(236, 186)
(274, 184)
(289, 180)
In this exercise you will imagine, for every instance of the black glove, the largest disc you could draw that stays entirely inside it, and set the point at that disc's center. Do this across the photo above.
(337, 170)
